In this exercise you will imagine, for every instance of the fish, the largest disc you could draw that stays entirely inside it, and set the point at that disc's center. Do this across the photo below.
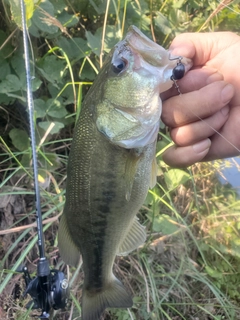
(111, 166)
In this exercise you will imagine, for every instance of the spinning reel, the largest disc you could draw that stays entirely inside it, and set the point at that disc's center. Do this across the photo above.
(49, 289)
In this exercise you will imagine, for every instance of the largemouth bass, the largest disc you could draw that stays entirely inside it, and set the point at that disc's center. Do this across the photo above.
(111, 166)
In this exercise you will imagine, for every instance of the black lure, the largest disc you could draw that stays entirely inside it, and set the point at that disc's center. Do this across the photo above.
(177, 72)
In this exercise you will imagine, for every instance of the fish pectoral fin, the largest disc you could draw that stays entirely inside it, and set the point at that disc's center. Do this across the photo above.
(153, 177)
(130, 171)
(135, 237)
(114, 295)
(68, 250)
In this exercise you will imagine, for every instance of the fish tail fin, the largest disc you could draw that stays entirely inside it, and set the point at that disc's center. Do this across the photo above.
(112, 296)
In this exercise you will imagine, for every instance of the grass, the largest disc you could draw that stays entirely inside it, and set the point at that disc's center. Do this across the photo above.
(177, 273)
(189, 266)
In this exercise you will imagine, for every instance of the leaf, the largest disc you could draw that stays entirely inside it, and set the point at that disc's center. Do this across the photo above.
(75, 48)
(59, 5)
(67, 20)
(112, 36)
(178, 4)
(18, 65)
(67, 96)
(40, 108)
(56, 109)
(29, 8)
(94, 41)
(16, 11)
(36, 83)
(46, 124)
(101, 8)
(10, 84)
(96, 8)
(42, 17)
(4, 68)
(52, 69)
(81, 6)
(26, 160)
(6, 99)
(87, 72)
(139, 16)
(7, 48)
(213, 273)
(34, 31)
(19, 139)
(175, 177)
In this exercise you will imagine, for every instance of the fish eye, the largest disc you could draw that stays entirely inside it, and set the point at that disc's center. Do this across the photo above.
(118, 65)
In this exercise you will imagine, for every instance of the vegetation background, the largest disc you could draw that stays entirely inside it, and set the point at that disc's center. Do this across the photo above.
(189, 267)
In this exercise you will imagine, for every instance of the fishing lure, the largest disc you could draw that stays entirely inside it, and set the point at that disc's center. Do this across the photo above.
(178, 72)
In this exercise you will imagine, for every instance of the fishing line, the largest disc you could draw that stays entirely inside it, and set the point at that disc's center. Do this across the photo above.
(49, 289)
(177, 74)
(203, 120)
(216, 131)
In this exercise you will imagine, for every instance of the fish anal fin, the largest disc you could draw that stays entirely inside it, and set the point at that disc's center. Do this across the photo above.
(135, 237)
(114, 295)
(68, 250)
(153, 176)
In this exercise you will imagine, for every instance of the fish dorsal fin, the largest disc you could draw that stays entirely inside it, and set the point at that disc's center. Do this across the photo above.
(130, 170)
(153, 176)
(134, 238)
(68, 250)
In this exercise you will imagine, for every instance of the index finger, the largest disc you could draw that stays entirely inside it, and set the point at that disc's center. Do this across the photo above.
(196, 105)
(193, 80)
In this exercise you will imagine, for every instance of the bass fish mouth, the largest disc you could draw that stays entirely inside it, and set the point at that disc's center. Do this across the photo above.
(148, 49)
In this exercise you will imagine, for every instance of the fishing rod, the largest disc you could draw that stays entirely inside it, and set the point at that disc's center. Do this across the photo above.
(49, 289)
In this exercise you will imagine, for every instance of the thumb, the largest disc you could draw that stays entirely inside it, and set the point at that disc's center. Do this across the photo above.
(201, 47)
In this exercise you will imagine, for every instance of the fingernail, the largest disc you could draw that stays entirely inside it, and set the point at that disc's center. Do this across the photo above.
(227, 93)
(202, 146)
(225, 111)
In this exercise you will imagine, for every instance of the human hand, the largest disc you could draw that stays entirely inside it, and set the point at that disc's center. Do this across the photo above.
(205, 119)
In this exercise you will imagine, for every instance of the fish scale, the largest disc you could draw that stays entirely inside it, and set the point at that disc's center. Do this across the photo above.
(111, 166)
